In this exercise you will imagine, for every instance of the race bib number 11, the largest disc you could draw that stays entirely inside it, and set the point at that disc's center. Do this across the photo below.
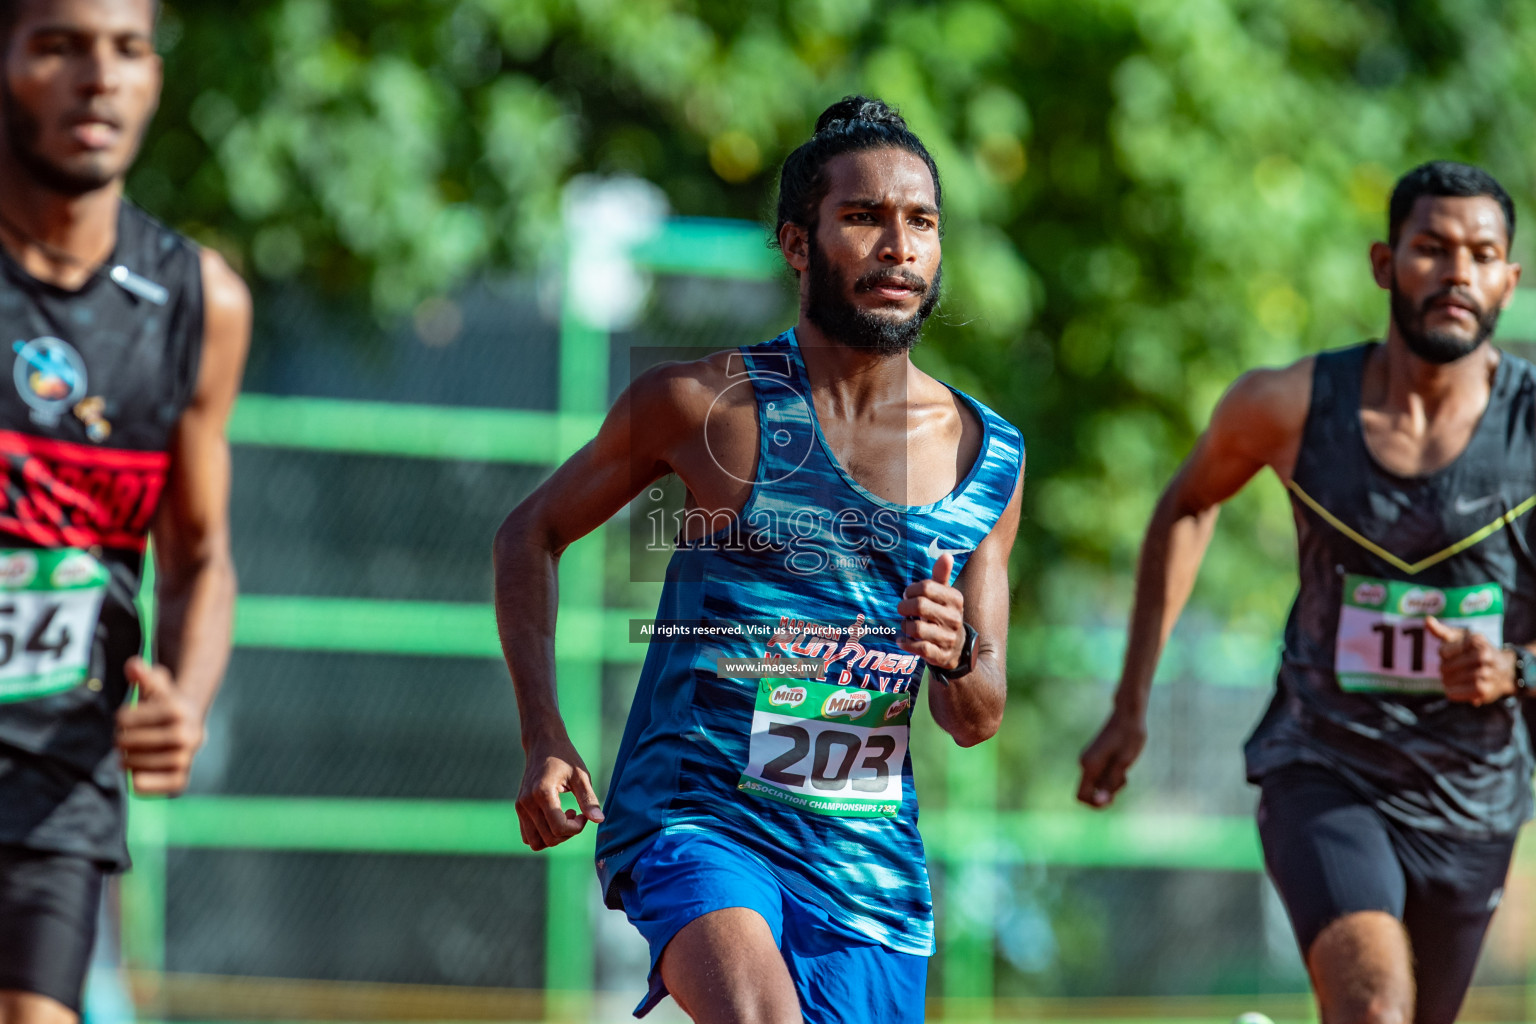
(826, 749)
(49, 603)
(1383, 643)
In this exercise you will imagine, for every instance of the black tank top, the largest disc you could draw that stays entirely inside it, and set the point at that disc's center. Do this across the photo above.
(97, 381)
(1358, 682)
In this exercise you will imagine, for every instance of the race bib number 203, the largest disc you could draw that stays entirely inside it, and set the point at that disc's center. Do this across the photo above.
(824, 749)
(1383, 643)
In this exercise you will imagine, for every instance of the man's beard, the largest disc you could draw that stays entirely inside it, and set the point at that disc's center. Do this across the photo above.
(21, 134)
(856, 327)
(1438, 346)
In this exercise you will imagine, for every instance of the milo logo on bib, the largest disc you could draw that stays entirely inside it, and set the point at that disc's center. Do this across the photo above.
(17, 569)
(849, 704)
(824, 749)
(1421, 601)
(1383, 644)
(786, 696)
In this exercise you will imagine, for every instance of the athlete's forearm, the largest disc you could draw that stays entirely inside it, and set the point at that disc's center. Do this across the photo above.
(527, 594)
(195, 581)
(1171, 554)
(970, 707)
(195, 608)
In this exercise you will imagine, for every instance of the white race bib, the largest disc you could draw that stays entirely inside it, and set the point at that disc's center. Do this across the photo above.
(50, 601)
(826, 749)
(1383, 643)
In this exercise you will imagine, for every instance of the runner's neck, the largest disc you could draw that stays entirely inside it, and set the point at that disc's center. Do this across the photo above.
(1400, 384)
(60, 240)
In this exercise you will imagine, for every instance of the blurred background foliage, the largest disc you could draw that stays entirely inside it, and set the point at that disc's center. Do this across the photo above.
(1144, 197)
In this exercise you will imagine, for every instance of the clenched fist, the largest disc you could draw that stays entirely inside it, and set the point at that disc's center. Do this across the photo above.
(158, 736)
(1473, 669)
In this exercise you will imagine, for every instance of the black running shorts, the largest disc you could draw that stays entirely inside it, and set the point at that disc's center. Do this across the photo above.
(48, 908)
(1331, 853)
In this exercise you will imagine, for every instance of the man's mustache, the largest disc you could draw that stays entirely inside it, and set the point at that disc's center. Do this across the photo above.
(881, 278)
(1461, 297)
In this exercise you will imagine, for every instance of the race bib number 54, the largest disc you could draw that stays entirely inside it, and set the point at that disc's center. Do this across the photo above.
(49, 603)
(1383, 643)
(827, 749)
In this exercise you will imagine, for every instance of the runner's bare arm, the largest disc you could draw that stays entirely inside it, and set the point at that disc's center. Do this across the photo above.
(970, 707)
(1257, 423)
(638, 443)
(195, 576)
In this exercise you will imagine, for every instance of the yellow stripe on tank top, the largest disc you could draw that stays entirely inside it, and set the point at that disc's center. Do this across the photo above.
(1413, 568)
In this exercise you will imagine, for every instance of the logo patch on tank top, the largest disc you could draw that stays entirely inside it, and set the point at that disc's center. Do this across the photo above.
(92, 412)
(49, 376)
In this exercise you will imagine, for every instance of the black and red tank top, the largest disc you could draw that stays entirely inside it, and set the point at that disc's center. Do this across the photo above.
(1359, 684)
(97, 380)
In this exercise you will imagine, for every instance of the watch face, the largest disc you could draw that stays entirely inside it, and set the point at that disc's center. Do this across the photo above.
(1525, 669)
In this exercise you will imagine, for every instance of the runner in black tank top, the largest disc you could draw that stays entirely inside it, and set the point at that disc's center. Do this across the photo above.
(1394, 761)
(126, 344)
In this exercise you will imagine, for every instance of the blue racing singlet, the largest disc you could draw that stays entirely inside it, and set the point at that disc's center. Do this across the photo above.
(812, 775)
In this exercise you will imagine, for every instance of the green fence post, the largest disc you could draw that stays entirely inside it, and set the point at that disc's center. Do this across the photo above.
(568, 967)
(143, 902)
(967, 935)
(142, 890)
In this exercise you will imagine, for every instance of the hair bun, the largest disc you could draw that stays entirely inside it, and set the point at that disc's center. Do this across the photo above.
(858, 108)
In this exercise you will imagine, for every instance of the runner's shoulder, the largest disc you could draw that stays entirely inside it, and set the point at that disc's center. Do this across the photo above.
(1272, 400)
(224, 290)
(161, 246)
(152, 241)
(685, 392)
(1521, 370)
(1520, 385)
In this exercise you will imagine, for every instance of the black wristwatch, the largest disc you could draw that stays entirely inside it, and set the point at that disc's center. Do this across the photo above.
(1525, 670)
(945, 675)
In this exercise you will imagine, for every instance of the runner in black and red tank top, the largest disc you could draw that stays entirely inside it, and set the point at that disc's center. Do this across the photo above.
(125, 344)
(1394, 762)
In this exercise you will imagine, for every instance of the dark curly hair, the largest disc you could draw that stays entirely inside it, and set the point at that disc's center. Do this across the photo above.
(851, 125)
(1446, 178)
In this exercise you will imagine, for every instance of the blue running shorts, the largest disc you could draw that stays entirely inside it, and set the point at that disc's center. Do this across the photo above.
(840, 976)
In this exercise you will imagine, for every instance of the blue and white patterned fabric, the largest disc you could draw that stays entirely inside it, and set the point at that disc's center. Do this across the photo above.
(802, 772)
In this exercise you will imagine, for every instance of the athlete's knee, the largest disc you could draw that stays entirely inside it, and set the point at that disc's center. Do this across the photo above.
(743, 1008)
(1362, 970)
(725, 968)
(29, 1008)
(764, 1013)
(1384, 1013)
(1374, 1011)
(744, 1004)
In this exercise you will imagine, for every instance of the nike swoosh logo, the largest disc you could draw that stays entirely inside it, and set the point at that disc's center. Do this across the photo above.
(934, 551)
(1466, 508)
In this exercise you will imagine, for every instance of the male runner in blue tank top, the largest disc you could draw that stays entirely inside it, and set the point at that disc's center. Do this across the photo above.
(1394, 764)
(126, 343)
(760, 830)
